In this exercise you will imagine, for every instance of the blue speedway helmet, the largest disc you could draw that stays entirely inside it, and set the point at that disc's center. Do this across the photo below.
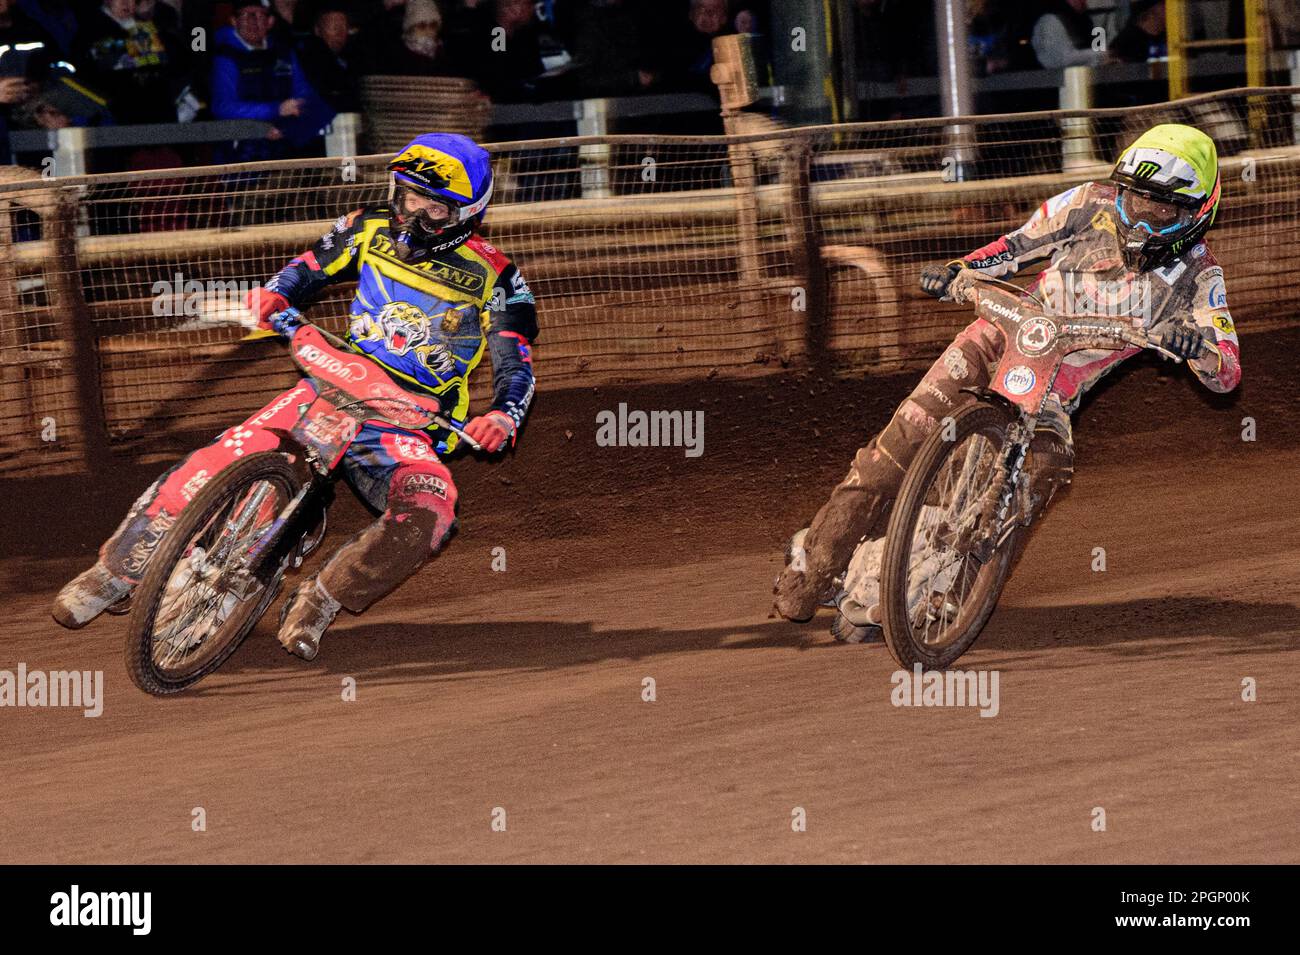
(446, 167)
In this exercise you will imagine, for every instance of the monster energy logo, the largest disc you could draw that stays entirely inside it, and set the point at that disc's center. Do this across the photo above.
(1146, 169)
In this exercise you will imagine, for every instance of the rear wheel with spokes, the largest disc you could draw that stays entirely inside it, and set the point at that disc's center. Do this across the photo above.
(199, 597)
(948, 551)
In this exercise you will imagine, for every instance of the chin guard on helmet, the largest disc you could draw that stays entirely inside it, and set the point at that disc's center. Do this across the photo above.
(1156, 229)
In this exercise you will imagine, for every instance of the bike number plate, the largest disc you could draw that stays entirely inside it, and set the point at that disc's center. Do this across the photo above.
(327, 429)
(1023, 379)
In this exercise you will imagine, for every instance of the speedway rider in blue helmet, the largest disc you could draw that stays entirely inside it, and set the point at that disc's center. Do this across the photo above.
(432, 298)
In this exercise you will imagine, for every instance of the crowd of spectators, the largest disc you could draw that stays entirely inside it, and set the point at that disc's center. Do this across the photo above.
(894, 44)
(296, 63)
(1007, 35)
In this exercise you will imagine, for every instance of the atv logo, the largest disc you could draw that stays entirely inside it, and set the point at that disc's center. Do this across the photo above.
(1019, 380)
(1036, 336)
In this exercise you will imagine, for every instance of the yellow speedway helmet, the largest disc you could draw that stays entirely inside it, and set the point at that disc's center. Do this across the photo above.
(1168, 194)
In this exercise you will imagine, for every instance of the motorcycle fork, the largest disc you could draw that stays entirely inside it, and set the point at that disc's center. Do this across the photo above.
(268, 558)
(1005, 489)
(299, 516)
(237, 523)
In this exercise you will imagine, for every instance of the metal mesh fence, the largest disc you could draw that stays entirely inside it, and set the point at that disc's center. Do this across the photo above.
(651, 257)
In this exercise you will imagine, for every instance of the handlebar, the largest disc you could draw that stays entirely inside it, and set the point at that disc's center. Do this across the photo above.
(457, 428)
(286, 322)
(1124, 331)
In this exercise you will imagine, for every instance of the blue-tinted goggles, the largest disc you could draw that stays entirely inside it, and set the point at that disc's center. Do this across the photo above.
(1158, 218)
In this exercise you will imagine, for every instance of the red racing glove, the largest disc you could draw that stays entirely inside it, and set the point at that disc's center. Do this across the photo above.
(264, 303)
(492, 430)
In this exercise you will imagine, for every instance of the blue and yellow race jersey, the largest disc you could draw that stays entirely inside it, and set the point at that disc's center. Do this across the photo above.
(427, 320)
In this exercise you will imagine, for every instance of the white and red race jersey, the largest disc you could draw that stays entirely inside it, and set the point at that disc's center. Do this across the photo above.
(1086, 275)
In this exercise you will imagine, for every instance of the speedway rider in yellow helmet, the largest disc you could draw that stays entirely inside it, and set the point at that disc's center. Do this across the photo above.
(433, 298)
(1132, 246)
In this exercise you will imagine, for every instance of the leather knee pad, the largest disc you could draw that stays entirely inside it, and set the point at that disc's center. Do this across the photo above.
(420, 519)
(378, 559)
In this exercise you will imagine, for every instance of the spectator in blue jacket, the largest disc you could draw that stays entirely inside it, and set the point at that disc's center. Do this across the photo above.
(254, 77)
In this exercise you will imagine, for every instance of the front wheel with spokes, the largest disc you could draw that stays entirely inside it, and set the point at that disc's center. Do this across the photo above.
(199, 596)
(950, 541)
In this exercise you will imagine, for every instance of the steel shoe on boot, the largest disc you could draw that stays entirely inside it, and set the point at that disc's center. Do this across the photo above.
(857, 624)
(306, 615)
(88, 595)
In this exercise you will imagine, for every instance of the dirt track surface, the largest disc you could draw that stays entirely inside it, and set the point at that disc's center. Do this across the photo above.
(522, 689)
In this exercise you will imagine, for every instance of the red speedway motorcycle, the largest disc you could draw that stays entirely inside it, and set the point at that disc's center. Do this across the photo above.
(963, 509)
(219, 567)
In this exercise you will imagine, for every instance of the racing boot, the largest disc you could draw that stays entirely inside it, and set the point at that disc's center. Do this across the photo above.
(797, 597)
(792, 599)
(306, 615)
(88, 595)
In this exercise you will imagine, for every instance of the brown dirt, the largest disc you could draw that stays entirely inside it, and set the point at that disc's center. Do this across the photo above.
(522, 689)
